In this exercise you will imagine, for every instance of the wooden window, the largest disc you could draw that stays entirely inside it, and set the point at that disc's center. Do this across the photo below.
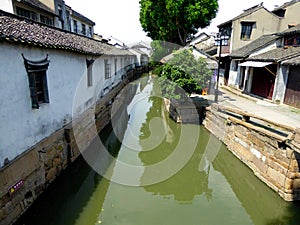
(89, 65)
(83, 29)
(107, 69)
(46, 20)
(116, 66)
(246, 30)
(37, 77)
(75, 26)
(90, 31)
(26, 13)
(292, 40)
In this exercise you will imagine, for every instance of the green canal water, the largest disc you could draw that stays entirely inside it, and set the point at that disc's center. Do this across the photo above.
(206, 190)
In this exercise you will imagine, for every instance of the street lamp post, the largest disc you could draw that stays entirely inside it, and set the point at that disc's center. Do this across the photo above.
(220, 40)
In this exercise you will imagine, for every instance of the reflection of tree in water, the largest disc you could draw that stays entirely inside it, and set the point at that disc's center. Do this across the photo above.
(189, 181)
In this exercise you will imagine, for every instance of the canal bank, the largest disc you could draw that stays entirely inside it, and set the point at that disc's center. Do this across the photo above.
(264, 136)
(224, 191)
(26, 177)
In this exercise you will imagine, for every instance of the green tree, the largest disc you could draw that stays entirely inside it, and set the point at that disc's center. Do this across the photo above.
(176, 21)
(184, 71)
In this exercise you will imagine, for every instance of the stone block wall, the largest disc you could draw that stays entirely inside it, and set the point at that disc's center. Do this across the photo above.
(272, 154)
(25, 178)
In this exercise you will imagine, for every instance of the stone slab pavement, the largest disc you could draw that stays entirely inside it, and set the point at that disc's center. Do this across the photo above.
(279, 113)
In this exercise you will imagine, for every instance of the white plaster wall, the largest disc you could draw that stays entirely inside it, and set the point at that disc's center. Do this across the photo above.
(21, 126)
(6, 5)
(138, 55)
(280, 83)
(233, 79)
(266, 48)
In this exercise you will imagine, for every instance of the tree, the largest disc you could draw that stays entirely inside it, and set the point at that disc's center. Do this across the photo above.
(185, 71)
(176, 21)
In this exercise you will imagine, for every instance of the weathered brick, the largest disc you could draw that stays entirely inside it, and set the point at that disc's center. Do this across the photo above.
(51, 174)
(297, 135)
(260, 165)
(278, 177)
(296, 183)
(242, 153)
(20, 169)
(289, 184)
(255, 140)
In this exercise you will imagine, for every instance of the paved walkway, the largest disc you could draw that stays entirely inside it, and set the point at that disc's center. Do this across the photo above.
(282, 114)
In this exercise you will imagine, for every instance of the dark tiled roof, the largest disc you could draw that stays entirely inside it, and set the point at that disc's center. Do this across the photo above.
(255, 45)
(211, 50)
(293, 61)
(37, 4)
(82, 17)
(17, 30)
(291, 31)
(285, 5)
(245, 13)
(277, 55)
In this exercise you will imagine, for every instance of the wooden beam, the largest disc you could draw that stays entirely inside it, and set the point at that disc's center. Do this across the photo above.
(246, 115)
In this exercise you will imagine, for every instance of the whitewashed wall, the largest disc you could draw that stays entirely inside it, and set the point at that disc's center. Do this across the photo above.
(6, 5)
(21, 126)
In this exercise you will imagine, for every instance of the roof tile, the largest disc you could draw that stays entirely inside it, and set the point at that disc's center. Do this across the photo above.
(277, 55)
(19, 30)
(255, 45)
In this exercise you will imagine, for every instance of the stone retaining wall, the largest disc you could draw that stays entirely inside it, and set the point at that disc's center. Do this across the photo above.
(25, 178)
(272, 153)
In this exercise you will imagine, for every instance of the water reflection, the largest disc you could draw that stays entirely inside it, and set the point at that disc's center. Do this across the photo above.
(227, 192)
(189, 181)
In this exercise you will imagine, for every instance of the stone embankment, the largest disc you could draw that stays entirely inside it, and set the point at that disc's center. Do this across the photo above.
(26, 177)
(271, 150)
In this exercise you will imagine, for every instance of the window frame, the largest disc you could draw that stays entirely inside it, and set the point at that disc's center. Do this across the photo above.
(26, 13)
(292, 40)
(116, 66)
(83, 29)
(38, 87)
(75, 26)
(46, 20)
(107, 69)
(89, 65)
(246, 30)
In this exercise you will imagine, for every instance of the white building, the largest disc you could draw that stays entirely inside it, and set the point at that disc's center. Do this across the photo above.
(47, 77)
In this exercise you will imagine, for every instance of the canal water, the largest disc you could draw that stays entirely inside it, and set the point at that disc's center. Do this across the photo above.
(175, 174)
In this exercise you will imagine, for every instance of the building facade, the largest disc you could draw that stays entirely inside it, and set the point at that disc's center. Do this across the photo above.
(51, 12)
(269, 67)
(251, 25)
(50, 79)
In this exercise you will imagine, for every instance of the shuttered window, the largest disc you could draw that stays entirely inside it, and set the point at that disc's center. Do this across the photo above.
(37, 77)
(247, 30)
(107, 69)
(89, 65)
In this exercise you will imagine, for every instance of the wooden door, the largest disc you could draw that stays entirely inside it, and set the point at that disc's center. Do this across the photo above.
(292, 94)
(263, 82)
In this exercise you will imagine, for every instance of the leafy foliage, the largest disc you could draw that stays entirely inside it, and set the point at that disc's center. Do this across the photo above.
(161, 49)
(176, 21)
(183, 75)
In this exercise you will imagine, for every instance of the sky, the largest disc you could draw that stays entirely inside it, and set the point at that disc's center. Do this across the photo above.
(120, 18)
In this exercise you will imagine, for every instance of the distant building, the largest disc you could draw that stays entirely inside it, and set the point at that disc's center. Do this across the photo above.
(51, 12)
(205, 43)
(142, 46)
(40, 11)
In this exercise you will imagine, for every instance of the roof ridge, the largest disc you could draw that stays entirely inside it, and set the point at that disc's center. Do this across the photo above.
(18, 30)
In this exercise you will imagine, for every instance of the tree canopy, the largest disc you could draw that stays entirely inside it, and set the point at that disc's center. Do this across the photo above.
(185, 71)
(176, 21)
